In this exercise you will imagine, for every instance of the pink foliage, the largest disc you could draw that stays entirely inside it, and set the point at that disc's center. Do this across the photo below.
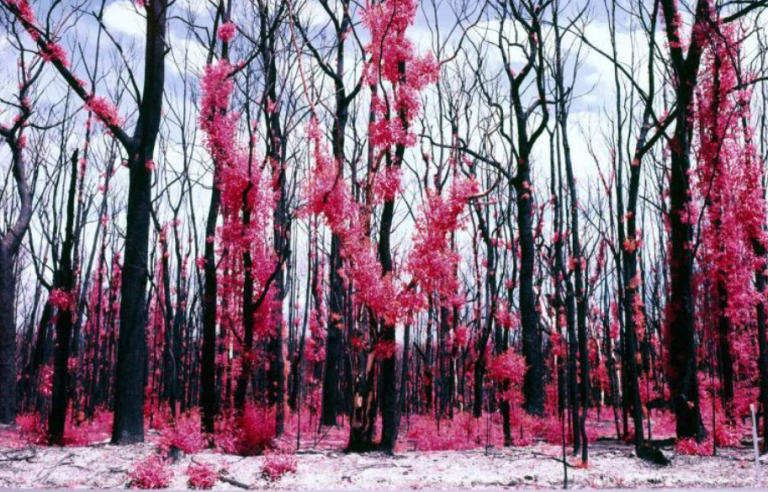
(460, 433)
(729, 177)
(82, 432)
(217, 123)
(692, 448)
(227, 31)
(151, 473)
(248, 199)
(278, 465)
(183, 434)
(77, 432)
(60, 299)
(55, 52)
(508, 367)
(332, 197)
(31, 428)
(390, 50)
(395, 105)
(250, 434)
(104, 110)
(727, 436)
(202, 476)
(433, 262)
(506, 317)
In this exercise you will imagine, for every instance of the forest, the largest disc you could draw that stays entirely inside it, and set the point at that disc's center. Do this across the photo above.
(256, 226)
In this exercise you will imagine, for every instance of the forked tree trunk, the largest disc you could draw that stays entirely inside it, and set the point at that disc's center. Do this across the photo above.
(10, 243)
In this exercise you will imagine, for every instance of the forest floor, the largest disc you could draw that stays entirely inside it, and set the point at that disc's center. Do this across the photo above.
(612, 465)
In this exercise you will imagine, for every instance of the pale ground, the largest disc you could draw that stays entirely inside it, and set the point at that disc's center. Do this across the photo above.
(612, 465)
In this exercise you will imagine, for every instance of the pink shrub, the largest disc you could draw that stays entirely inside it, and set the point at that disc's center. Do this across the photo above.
(31, 428)
(727, 436)
(185, 435)
(277, 465)
(690, 447)
(151, 473)
(663, 424)
(201, 476)
(464, 432)
(549, 429)
(250, 434)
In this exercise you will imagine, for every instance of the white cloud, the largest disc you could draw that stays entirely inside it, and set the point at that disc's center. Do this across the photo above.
(123, 17)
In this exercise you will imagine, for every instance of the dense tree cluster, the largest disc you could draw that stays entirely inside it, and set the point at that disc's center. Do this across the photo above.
(242, 213)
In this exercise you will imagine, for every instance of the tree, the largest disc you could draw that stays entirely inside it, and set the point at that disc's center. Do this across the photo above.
(139, 147)
(13, 235)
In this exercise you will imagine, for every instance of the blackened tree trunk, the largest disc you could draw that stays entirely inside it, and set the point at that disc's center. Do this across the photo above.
(330, 401)
(64, 322)
(533, 383)
(363, 416)
(10, 243)
(528, 16)
(251, 303)
(282, 222)
(336, 315)
(249, 309)
(209, 398)
(170, 363)
(500, 346)
(405, 372)
(762, 339)
(446, 364)
(683, 365)
(7, 336)
(580, 296)
(724, 356)
(574, 396)
(492, 303)
(386, 329)
(389, 407)
(629, 241)
(579, 263)
(131, 352)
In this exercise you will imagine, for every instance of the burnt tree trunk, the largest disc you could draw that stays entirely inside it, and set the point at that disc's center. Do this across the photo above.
(683, 364)
(282, 222)
(10, 243)
(390, 411)
(249, 309)
(64, 323)
(762, 339)
(533, 383)
(209, 396)
(334, 337)
(131, 352)
(579, 263)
